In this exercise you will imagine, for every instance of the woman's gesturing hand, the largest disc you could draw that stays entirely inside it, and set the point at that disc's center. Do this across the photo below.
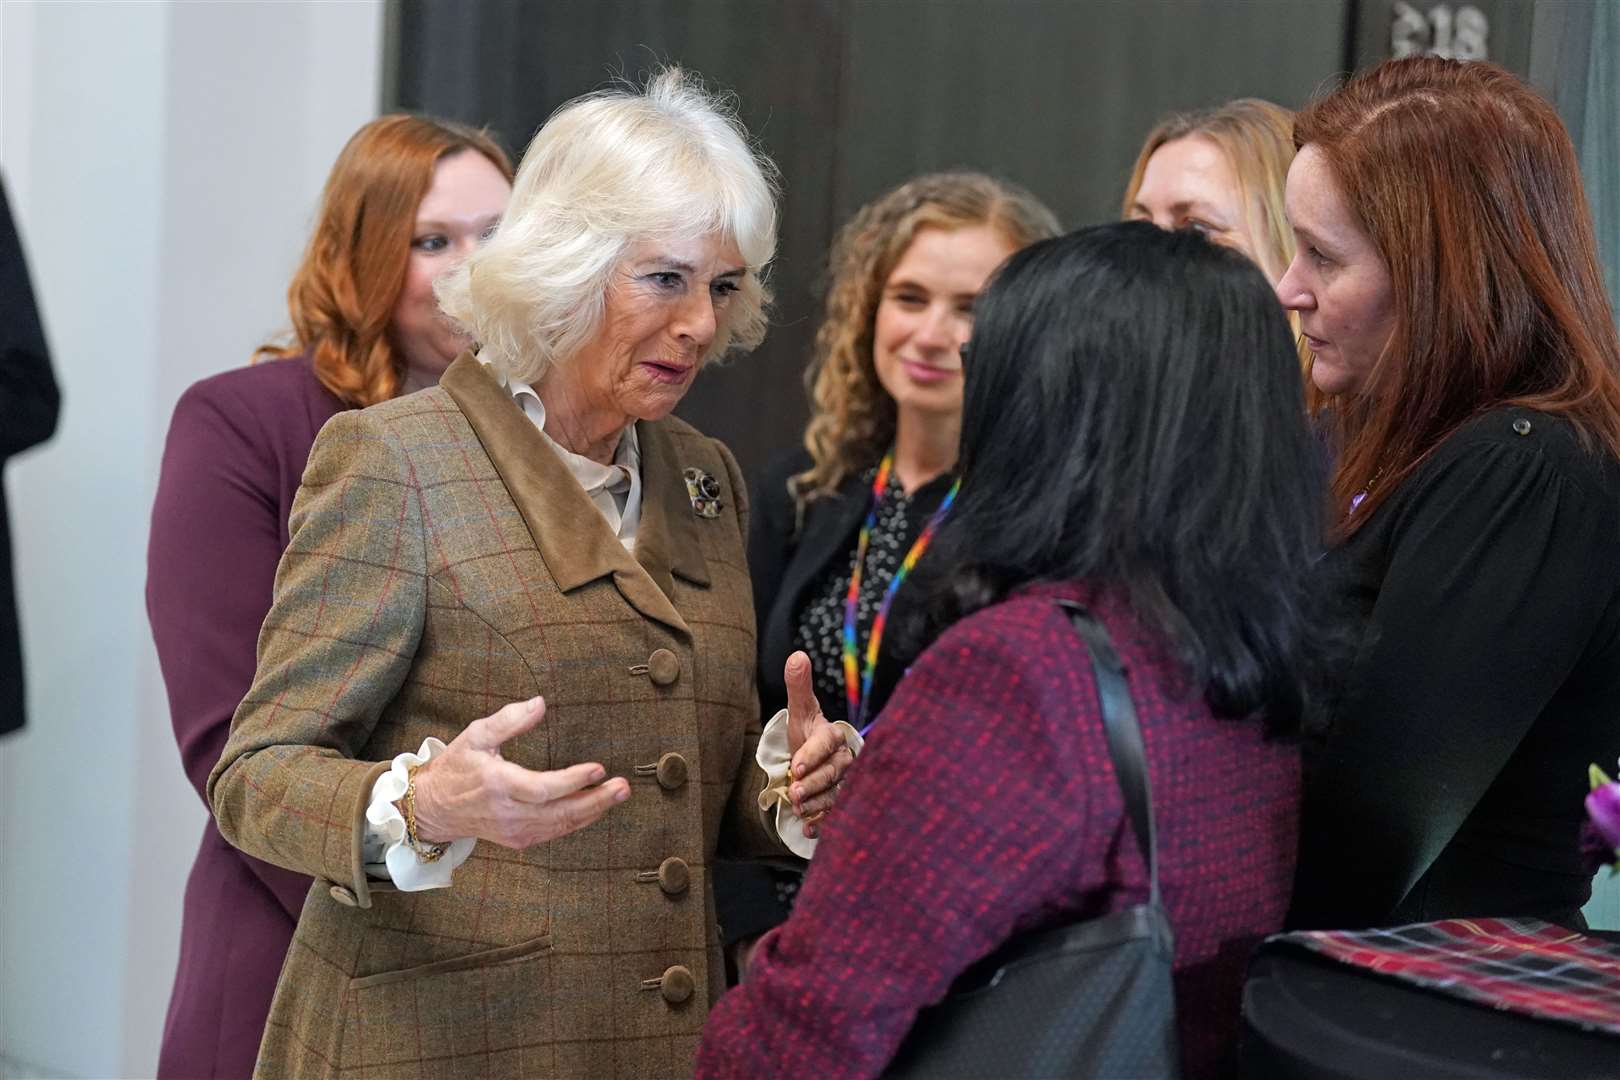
(470, 790)
(819, 753)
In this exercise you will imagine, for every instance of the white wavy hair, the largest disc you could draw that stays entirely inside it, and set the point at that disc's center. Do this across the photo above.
(609, 170)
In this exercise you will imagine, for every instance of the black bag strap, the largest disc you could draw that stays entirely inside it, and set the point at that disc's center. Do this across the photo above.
(1125, 746)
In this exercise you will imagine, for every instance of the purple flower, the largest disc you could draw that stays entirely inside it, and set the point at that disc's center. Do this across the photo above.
(1600, 837)
(1603, 807)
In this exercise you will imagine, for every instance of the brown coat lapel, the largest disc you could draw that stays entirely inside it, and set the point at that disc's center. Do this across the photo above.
(574, 541)
(667, 540)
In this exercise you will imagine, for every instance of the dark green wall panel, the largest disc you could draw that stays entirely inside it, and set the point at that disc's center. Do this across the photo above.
(852, 96)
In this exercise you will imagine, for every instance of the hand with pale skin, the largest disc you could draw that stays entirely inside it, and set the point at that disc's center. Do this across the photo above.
(819, 758)
(470, 790)
(819, 753)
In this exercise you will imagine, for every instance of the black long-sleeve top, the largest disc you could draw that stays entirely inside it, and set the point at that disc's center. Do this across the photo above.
(800, 564)
(28, 408)
(1487, 677)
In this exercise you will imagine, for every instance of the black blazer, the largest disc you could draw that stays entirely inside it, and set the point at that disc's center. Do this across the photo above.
(786, 557)
(1487, 678)
(28, 408)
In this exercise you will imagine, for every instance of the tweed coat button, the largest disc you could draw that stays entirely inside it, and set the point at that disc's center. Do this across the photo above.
(677, 984)
(343, 896)
(674, 876)
(1522, 426)
(671, 771)
(663, 667)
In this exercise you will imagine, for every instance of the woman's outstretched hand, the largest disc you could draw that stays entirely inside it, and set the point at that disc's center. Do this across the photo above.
(819, 753)
(470, 790)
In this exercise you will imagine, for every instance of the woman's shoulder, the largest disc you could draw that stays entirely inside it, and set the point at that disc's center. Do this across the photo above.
(781, 467)
(1021, 660)
(1020, 629)
(426, 408)
(1512, 441)
(259, 405)
(1030, 610)
(773, 485)
(267, 396)
(1030, 630)
(264, 386)
(695, 449)
(1517, 474)
(771, 491)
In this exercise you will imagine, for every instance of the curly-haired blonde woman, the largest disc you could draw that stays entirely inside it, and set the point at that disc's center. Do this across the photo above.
(837, 522)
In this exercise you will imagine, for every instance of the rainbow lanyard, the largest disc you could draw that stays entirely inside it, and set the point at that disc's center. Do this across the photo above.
(858, 677)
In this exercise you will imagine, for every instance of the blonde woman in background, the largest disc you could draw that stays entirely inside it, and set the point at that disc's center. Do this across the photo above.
(1220, 171)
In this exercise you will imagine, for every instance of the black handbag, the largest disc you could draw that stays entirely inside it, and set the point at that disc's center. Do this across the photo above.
(1090, 999)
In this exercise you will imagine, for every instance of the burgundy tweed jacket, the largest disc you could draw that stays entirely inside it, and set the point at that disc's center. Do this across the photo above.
(985, 805)
(236, 449)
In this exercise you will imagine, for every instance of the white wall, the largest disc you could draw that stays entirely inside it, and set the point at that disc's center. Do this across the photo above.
(164, 160)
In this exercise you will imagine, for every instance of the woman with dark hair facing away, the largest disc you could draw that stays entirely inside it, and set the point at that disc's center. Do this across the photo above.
(1130, 431)
(834, 520)
(407, 198)
(1448, 284)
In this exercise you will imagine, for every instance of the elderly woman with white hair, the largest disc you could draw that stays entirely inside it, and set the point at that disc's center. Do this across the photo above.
(536, 530)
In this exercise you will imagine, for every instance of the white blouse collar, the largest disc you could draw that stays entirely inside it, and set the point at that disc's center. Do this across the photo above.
(614, 489)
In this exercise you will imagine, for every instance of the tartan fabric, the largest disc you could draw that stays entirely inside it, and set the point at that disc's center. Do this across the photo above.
(1525, 965)
(442, 563)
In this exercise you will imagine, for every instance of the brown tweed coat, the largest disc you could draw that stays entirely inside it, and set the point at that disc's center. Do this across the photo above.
(444, 562)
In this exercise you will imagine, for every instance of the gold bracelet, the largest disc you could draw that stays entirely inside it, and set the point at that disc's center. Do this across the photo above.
(426, 852)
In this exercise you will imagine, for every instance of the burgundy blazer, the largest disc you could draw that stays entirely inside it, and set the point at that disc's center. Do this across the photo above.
(985, 805)
(235, 454)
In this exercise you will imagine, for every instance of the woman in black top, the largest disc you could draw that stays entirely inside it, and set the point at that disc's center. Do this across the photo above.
(1448, 286)
(886, 387)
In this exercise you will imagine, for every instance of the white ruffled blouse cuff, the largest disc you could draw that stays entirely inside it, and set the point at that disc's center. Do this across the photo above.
(384, 850)
(774, 758)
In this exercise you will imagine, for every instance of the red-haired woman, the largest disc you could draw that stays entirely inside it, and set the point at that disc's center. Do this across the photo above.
(408, 197)
(1448, 284)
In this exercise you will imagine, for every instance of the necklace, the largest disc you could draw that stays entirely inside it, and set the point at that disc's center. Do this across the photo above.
(1361, 496)
(858, 674)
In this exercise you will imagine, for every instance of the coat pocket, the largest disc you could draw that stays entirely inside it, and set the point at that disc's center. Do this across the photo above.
(506, 954)
(485, 1013)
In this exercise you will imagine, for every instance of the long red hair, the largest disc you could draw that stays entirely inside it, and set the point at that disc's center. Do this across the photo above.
(342, 297)
(1468, 185)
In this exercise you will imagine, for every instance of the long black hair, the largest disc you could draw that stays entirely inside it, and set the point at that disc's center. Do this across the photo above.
(1133, 415)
